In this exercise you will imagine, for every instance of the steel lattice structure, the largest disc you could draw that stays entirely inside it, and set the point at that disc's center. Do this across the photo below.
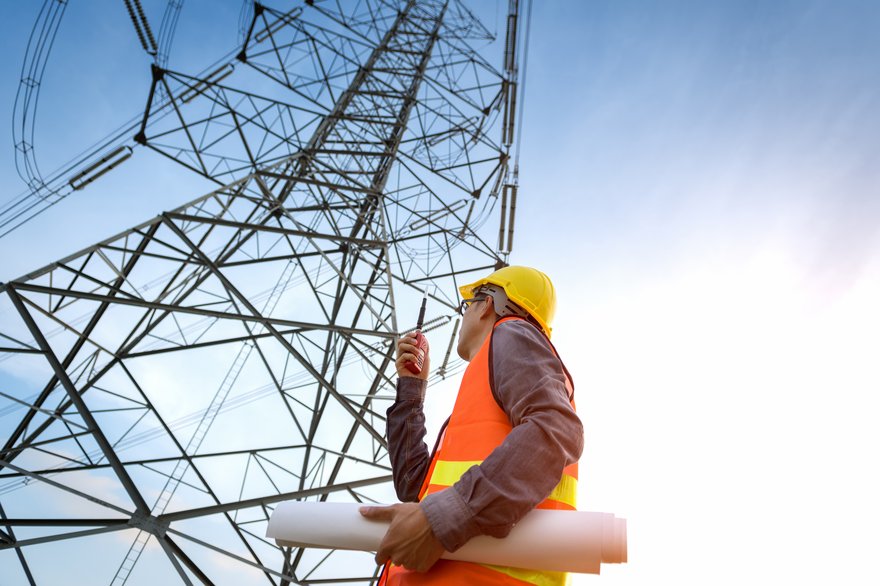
(180, 379)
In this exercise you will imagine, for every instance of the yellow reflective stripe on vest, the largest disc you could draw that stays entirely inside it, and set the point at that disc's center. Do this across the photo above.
(566, 491)
(535, 577)
(447, 473)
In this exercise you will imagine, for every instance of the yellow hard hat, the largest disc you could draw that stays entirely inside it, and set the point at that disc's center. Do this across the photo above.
(529, 288)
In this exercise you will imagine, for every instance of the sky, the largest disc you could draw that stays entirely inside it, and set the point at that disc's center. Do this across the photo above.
(700, 180)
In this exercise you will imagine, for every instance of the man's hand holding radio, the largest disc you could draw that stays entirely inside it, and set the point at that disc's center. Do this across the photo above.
(412, 356)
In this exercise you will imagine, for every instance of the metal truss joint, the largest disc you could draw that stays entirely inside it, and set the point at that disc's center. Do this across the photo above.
(150, 524)
(157, 72)
(6, 539)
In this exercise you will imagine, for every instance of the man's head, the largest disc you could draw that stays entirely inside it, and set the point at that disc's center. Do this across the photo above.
(513, 290)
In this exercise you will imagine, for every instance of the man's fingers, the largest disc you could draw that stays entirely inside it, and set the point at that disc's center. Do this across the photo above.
(378, 513)
(408, 339)
(410, 350)
(387, 547)
(406, 348)
(408, 343)
(381, 558)
(407, 357)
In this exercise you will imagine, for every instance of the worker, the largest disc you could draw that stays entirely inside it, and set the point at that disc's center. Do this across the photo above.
(511, 444)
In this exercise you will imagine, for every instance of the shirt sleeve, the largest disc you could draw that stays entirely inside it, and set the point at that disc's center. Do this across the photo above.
(405, 428)
(547, 435)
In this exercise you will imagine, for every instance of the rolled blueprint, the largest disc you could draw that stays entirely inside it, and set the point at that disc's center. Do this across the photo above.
(558, 541)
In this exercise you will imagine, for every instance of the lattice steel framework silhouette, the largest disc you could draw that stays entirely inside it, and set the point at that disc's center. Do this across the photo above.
(173, 383)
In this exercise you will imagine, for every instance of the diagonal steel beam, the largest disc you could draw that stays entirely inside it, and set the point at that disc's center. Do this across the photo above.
(84, 412)
(20, 554)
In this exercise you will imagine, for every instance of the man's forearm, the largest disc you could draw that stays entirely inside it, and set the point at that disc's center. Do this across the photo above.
(406, 432)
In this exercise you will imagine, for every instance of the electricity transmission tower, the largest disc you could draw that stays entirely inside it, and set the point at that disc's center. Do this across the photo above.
(162, 390)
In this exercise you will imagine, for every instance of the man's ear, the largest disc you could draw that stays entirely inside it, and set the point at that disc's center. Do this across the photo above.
(488, 309)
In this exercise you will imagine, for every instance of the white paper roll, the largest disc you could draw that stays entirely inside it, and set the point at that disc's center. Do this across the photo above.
(560, 541)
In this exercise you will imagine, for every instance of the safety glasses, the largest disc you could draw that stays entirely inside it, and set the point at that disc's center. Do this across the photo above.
(462, 307)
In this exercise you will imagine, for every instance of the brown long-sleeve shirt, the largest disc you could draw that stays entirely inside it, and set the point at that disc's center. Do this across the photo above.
(547, 435)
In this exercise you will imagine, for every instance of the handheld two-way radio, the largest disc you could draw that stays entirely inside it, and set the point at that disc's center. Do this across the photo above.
(421, 341)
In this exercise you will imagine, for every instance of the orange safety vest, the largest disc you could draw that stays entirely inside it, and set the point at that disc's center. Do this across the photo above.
(477, 426)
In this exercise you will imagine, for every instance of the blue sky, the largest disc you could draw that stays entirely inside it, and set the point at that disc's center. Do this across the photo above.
(701, 181)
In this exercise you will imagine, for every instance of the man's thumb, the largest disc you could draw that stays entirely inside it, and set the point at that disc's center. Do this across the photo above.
(378, 513)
